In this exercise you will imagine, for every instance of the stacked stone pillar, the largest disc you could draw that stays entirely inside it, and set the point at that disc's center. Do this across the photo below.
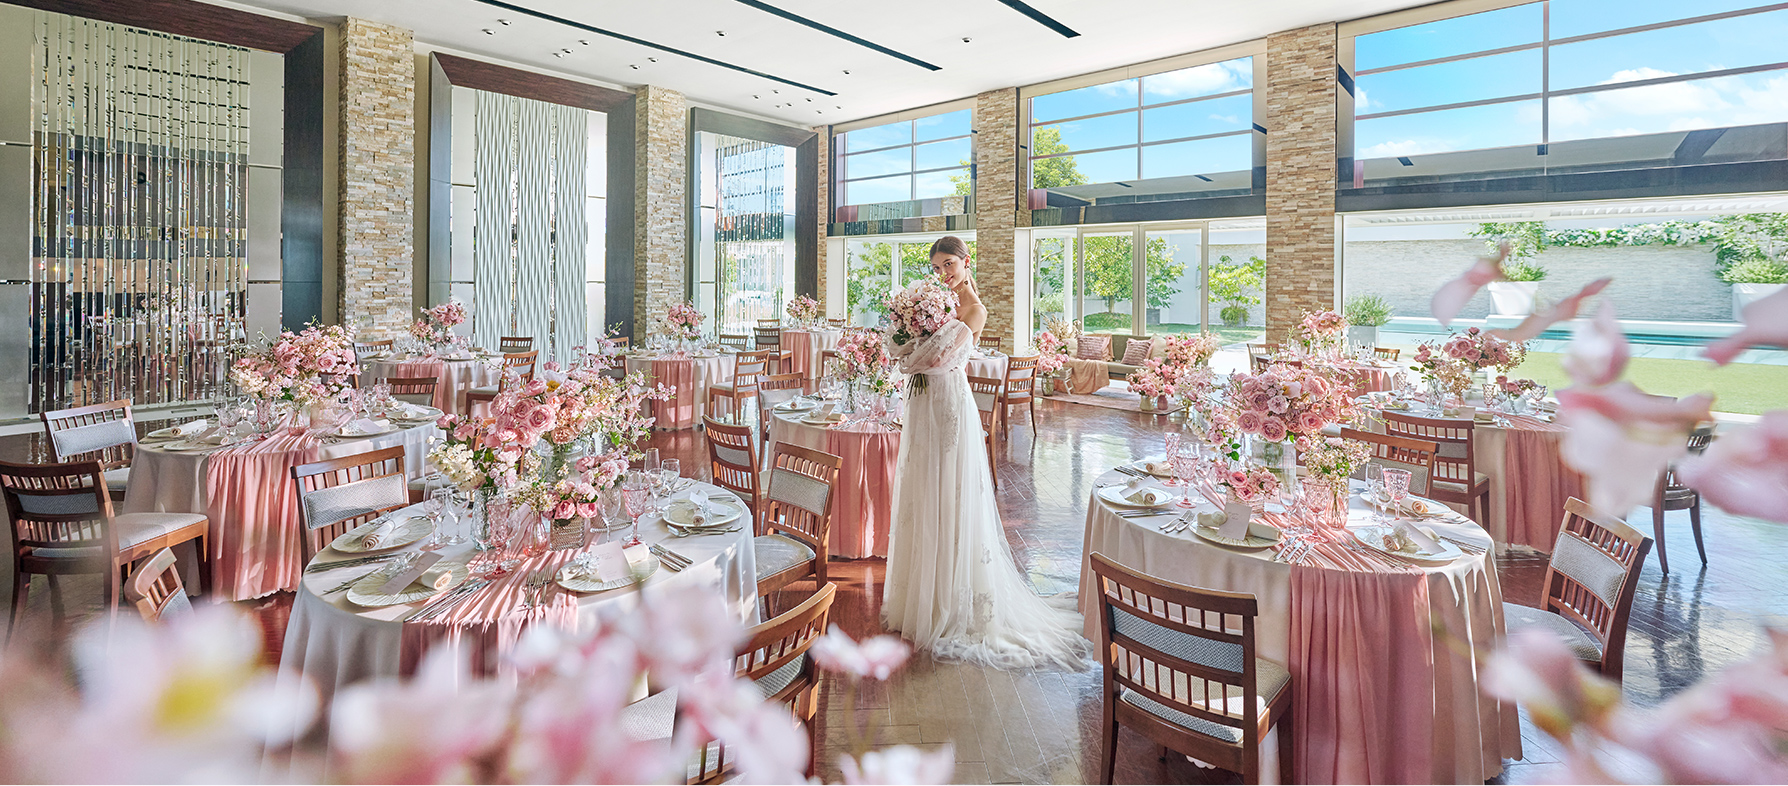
(661, 176)
(996, 209)
(377, 183)
(1300, 175)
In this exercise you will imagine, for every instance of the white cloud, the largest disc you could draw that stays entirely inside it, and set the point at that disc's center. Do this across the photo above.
(1407, 147)
(1230, 119)
(1359, 101)
(1198, 80)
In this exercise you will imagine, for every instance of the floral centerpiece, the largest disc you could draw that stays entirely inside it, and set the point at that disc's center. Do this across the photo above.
(804, 310)
(864, 360)
(1287, 401)
(308, 368)
(1192, 350)
(1052, 352)
(1320, 331)
(436, 324)
(1330, 462)
(683, 322)
(1480, 350)
(1252, 485)
(918, 311)
(1156, 379)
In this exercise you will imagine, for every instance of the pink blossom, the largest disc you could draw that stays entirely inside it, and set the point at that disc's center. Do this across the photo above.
(1310, 423)
(769, 746)
(1746, 472)
(902, 764)
(1598, 351)
(877, 657)
(1273, 429)
(1535, 324)
(1452, 296)
(1620, 438)
(1765, 323)
(1250, 421)
(1537, 671)
(1277, 405)
(432, 729)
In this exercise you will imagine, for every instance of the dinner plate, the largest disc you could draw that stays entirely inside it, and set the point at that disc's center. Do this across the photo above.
(585, 583)
(682, 513)
(1115, 496)
(1420, 509)
(171, 432)
(189, 446)
(1142, 465)
(795, 405)
(1372, 536)
(365, 592)
(1260, 535)
(345, 434)
(413, 529)
(425, 413)
(825, 421)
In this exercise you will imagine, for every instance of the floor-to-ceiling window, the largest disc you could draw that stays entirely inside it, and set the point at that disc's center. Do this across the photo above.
(912, 166)
(745, 243)
(876, 267)
(1113, 278)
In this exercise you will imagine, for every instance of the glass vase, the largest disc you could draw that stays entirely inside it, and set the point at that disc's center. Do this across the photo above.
(850, 396)
(1437, 397)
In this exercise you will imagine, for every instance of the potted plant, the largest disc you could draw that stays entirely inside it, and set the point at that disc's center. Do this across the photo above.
(1754, 279)
(1514, 296)
(1365, 315)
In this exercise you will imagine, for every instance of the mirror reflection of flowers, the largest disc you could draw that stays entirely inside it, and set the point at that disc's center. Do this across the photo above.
(308, 367)
(683, 321)
(804, 310)
(436, 324)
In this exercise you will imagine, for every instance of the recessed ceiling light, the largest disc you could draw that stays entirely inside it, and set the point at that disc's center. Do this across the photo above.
(809, 100)
(774, 90)
(488, 31)
(584, 41)
(847, 72)
(634, 66)
(651, 59)
(565, 51)
(558, 54)
(503, 22)
(966, 39)
(838, 107)
(721, 33)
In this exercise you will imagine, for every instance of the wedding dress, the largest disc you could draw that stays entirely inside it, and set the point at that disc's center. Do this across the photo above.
(952, 584)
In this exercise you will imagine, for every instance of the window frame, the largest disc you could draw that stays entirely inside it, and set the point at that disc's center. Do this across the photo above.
(840, 185)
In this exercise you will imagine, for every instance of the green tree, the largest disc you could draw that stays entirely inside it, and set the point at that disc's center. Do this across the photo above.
(870, 278)
(1047, 173)
(1108, 261)
(1237, 284)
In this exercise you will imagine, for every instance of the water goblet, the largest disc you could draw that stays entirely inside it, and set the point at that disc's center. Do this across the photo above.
(652, 461)
(673, 473)
(441, 504)
(1397, 481)
(1375, 486)
(1171, 441)
(634, 495)
(433, 506)
(1185, 466)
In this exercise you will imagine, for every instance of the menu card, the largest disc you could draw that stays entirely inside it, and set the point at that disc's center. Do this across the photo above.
(405, 577)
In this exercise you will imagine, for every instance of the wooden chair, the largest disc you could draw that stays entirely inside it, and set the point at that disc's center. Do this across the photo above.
(516, 365)
(1672, 494)
(63, 524)
(105, 433)
(774, 389)
(991, 342)
(1387, 353)
(772, 322)
(1258, 363)
(510, 345)
(738, 341)
(1267, 348)
(990, 401)
(1589, 587)
(156, 589)
(364, 348)
(1021, 385)
(1456, 478)
(793, 533)
(826, 358)
(732, 460)
(1396, 452)
(414, 390)
(747, 368)
(1181, 669)
(769, 338)
(835, 323)
(620, 342)
(336, 495)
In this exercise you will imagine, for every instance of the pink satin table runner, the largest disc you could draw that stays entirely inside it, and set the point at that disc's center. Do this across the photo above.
(487, 624)
(678, 374)
(256, 526)
(862, 506)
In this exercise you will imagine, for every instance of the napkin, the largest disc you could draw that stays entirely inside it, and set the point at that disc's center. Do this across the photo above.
(367, 426)
(405, 577)
(1158, 467)
(1149, 497)
(408, 411)
(436, 578)
(699, 513)
(1235, 524)
(1424, 542)
(380, 531)
(189, 429)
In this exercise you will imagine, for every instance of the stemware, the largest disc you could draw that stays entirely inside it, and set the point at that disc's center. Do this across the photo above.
(1171, 440)
(652, 461)
(634, 494)
(1374, 486)
(433, 506)
(1397, 481)
(1185, 466)
(445, 502)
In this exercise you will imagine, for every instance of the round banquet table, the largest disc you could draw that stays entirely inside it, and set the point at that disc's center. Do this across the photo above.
(454, 377)
(1372, 375)
(1529, 482)
(804, 347)
(689, 376)
(333, 642)
(862, 508)
(990, 366)
(1377, 696)
(248, 493)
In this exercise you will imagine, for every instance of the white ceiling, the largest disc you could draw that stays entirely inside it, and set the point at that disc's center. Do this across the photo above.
(1005, 49)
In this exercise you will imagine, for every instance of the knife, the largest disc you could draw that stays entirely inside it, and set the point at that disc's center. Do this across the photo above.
(671, 556)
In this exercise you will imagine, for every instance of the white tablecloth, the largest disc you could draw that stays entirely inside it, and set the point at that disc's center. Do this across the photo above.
(991, 367)
(455, 377)
(335, 643)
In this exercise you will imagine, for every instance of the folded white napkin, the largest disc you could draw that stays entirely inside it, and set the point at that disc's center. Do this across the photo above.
(379, 533)
(435, 578)
(1424, 542)
(1158, 467)
(1149, 497)
(409, 411)
(402, 580)
(1212, 519)
(699, 513)
(367, 426)
(189, 429)
(1236, 515)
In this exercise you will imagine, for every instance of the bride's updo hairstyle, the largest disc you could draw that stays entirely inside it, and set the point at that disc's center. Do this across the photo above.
(952, 245)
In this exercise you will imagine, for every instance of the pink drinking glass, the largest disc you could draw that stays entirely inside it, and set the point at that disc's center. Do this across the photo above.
(1171, 440)
(1185, 465)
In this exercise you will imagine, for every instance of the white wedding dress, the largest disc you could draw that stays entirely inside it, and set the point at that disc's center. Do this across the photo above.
(952, 586)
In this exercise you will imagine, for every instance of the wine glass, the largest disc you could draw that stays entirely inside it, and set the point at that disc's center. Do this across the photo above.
(443, 500)
(1397, 481)
(652, 462)
(672, 470)
(433, 506)
(635, 492)
(1171, 441)
(1374, 485)
(1185, 465)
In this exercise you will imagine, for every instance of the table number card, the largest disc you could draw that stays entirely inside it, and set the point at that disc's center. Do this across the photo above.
(405, 577)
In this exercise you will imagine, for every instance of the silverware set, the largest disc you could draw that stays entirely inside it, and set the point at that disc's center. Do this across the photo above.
(447, 600)
(390, 569)
(319, 567)
(672, 560)
(536, 588)
(1294, 552)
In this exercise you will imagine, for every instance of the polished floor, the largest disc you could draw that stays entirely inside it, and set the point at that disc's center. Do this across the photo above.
(1040, 727)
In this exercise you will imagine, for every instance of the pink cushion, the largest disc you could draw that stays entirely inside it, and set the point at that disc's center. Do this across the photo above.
(1137, 351)
(1094, 348)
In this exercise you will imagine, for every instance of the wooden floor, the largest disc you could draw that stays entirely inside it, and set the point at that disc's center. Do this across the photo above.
(1040, 727)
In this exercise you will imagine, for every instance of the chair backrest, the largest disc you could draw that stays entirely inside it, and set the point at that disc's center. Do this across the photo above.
(1266, 348)
(519, 365)
(837, 323)
(414, 390)
(1457, 459)
(989, 394)
(769, 322)
(63, 506)
(620, 341)
(991, 342)
(1185, 648)
(748, 367)
(513, 344)
(336, 495)
(1593, 575)
(768, 336)
(1386, 353)
(1699, 439)
(368, 347)
(1258, 363)
(156, 589)
(827, 356)
(790, 381)
(732, 459)
(800, 495)
(1399, 452)
(105, 433)
(781, 641)
(735, 340)
(1021, 377)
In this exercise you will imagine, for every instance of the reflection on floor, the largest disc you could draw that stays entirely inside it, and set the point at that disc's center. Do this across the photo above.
(1042, 727)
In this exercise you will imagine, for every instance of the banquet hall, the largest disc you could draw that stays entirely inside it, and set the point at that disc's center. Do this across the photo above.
(515, 391)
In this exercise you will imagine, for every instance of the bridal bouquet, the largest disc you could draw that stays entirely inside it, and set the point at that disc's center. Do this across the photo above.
(308, 367)
(683, 321)
(435, 326)
(804, 310)
(920, 310)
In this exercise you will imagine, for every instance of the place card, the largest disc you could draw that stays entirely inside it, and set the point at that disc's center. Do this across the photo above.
(1424, 542)
(405, 577)
(608, 562)
(1236, 526)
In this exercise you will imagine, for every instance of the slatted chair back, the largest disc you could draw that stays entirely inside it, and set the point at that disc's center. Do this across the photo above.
(336, 495)
(828, 357)
(1258, 363)
(1593, 576)
(59, 506)
(799, 497)
(1456, 460)
(156, 589)
(771, 322)
(1021, 379)
(768, 337)
(620, 342)
(771, 383)
(1386, 353)
(518, 366)
(1398, 452)
(991, 342)
(1268, 348)
(105, 433)
(990, 401)
(1190, 651)
(732, 459)
(748, 369)
(738, 341)
(510, 345)
(835, 323)
(364, 348)
(414, 390)
(774, 658)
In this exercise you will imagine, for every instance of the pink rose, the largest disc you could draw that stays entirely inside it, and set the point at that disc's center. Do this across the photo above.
(564, 510)
(1310, 423)
(1277, 405)
(1273, 429)
(1250, 421)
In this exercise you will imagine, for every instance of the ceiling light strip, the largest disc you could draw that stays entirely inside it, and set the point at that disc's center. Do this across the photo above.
(1041, 18)
(829, 30)
(642, 42)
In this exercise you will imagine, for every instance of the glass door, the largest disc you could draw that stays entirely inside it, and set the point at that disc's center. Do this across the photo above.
(1054, 274)
(1173, 280)
(1107, 279)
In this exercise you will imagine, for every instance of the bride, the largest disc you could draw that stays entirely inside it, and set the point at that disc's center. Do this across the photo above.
(952, 585)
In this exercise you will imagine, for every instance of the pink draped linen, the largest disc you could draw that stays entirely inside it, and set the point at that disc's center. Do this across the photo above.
(256, 527)
(804, 348)
(1536, 482)
(1087, 376)
(1369, 378)
(453, 377)
(678, 374)
(862, 507)
(488, 624)
(427, 368)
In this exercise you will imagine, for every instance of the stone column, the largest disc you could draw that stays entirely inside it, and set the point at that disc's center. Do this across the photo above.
(823, 197)
(1300, 175)
(378, 177)
(996, 208)
(661, 164)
